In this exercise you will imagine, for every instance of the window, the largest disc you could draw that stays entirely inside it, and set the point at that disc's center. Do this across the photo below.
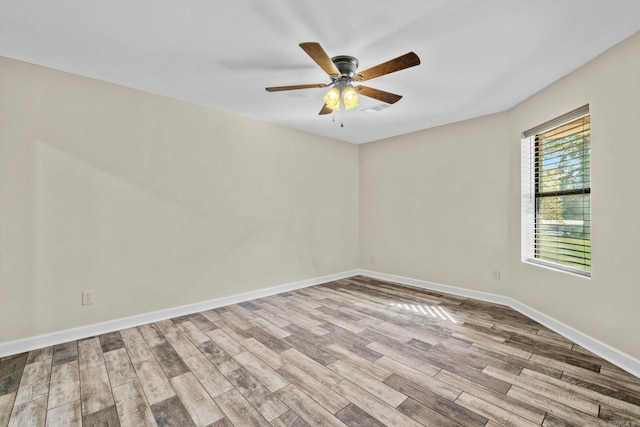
(556, 193)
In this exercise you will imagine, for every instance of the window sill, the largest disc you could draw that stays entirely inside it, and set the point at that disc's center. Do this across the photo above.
(559, 268)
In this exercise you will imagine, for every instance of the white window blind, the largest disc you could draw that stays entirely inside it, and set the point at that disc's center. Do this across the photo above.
(556, 193)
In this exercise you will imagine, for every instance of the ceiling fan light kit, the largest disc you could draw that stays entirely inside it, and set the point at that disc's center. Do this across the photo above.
(341, 94)
(342, 72)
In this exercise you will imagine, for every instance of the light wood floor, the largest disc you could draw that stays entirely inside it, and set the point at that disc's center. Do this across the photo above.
(355, 352)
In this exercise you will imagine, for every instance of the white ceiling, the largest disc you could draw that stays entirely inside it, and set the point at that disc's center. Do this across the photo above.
(478, 56)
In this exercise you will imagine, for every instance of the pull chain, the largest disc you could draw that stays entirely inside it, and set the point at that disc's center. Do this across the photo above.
(343, 107)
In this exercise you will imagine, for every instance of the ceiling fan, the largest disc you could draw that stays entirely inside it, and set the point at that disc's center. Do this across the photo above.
(343, 73)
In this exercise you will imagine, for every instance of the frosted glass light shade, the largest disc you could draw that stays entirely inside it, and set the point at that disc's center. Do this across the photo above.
(350, 97)
(332, 99)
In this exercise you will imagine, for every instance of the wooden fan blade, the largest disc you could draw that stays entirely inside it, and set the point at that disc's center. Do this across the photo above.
(317, 53)
(325, 110)
(400, 63)
(294, 87)
(388, 97)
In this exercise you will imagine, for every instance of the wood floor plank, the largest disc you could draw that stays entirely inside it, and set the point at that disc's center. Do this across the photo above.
(69, 415)
(274, 330)
(201, 322)
(417, 364)
(491, 411)
(155, 384)
(292, 317)
(559, 410)
(375, 370)
(64, 386)
(95, 390)
(307, 408)
(170, 332)
(267, 376)
(195, 334)
(382, 391)
(104, 417)
(275, 344)
(268, 356)
(454, 364)
(298, 298)
(236, 319)
(35, 382)
(111, 341)
(228, 344)
(151, 334)
(353, 416)
(594, 377)
(211, 315)
(199, 404)
(6, 405)
(90, 353)
(587, 394)
(257, 394)
(137, 348)
(182, 345)
(373, 406)
(239, 411)
(425, 415)
(315, 389)
(65, 353)
(40, 355)
(432, 400)
(132, 406)
(171, 412)
(346, 324)
(290, 419)
(170, 361)
(618, 375)
(31, 413)
(232, 330)
(222, 423)
(315, 369)
(272, 317)
(218, 357)
(211, 378)
(517, 362)
(566, 397)
(311, 345)
(517, 407)
(616, 417)
(353, 342)
(119, 367)
(428, 382)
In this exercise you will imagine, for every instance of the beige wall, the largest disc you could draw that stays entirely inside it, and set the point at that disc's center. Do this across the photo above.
(606, 307)
(434, 204)
(443, 205)
(155, 203)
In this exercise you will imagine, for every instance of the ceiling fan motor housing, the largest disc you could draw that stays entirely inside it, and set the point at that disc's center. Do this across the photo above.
(347, 65)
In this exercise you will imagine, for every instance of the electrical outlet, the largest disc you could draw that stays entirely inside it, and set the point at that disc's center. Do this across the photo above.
(87, 297)
(495, 274)
(372, 259)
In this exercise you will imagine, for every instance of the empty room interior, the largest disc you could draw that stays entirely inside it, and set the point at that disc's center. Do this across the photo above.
(450, 240)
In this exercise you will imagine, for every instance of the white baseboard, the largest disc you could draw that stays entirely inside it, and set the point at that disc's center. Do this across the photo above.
(46, 340)
(617, 357)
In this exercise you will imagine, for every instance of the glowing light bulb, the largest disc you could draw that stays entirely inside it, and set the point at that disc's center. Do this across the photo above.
(350, 98)
(332, 99)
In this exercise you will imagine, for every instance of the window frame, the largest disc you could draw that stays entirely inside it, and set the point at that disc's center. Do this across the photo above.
(532, 193)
